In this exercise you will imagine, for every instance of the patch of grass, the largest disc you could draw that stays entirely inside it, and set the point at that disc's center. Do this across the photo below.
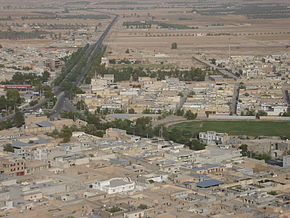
(250, 128)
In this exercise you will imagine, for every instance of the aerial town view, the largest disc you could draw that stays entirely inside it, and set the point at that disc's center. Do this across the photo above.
(145, 108)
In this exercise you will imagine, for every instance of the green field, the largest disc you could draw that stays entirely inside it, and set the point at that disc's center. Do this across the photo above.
(250, 128)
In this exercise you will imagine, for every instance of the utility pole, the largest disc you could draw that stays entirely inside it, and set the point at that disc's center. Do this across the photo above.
(229, 48)
(161, 132)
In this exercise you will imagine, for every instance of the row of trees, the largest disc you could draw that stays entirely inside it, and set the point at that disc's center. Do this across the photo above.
(71, 71)
(285, 114)
(260, 156)
(95, 65)
(189, 115)
(10, 101)
(77, 16)
(14, 35)
(65, 133)
(17, 121)
(141, 127)
(129, 73)
(28, 79)
(70, 62)
(252, 112)
(148, 25)
(56, 26)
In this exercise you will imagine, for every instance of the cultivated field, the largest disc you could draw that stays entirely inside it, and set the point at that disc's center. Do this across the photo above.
(251, 128)
(216, 35)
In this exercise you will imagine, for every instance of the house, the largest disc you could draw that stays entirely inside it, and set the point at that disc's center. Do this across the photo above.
(32, 196)
(114, 185)
(134, 214)
(274, 109)
(286, 161)
(209, 183)
(69, 160)
(181, 156)
(156, 178)
(213, 138)
(212, 168)
(34, 166)
(113, 133)
(15, 167)
(4, 198)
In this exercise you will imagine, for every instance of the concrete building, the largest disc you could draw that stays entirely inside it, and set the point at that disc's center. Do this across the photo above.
(114, 185)
(213, 138)
(13, 167)
(286, 161)
(275, 109)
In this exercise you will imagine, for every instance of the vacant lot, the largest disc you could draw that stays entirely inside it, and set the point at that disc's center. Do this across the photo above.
(251, 128)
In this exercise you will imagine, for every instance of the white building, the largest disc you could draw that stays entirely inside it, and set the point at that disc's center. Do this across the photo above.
(274, 109)
(114, 185)
(213, 138)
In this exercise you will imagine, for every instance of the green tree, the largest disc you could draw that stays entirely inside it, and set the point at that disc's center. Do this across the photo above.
(8, 148)
(81, 105)
(196, 145)
(244, 149)
(180, 94)
(242, 85)
(272, 193)
(190, 116)
(285, 114)
(250, 112)
(93, 130)
(131, 111)
(3, 102)
(13, 98)
(179, 112)
(6, 125)
(114, 209)
(265, 157)
(66, 134)
(178, 135)
(143, 207)
(261, 113)
(18, 119)
(174, 45)
(32, 103)
(143, 127)
(147, 111)
(45, 76)
(47, 91)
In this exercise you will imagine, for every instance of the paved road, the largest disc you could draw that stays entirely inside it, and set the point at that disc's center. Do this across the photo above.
(286, 96)
(209, 64)
(169, 120)
(235, 99)
(63, 103)
(36, 107)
